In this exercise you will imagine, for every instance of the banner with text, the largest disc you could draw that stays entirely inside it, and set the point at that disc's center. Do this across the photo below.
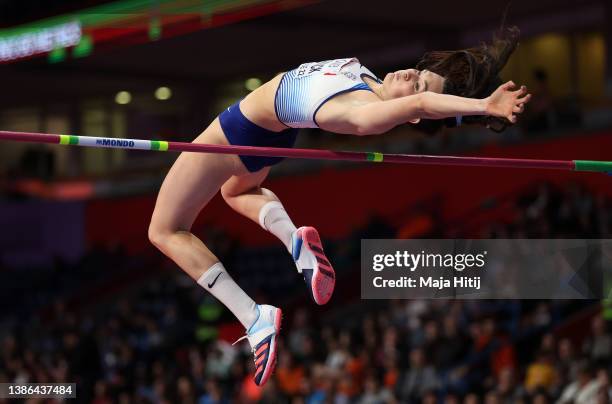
(486, 269)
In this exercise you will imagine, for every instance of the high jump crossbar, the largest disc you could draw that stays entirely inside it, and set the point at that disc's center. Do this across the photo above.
(313, 154)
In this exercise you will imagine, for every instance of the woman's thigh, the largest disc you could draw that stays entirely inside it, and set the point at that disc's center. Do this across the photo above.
(192, 182)
(239, 184)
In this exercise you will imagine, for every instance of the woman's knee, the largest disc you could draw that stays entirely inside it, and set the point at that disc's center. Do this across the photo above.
(227, 192)
(230, 192)
(158, 235)
(239, 185)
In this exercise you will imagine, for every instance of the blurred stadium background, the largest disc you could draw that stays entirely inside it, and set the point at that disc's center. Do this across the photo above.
(86, 299)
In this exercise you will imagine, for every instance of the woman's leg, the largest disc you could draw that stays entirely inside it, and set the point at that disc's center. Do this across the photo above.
(190, 184)
(244, 194)
(192, 181)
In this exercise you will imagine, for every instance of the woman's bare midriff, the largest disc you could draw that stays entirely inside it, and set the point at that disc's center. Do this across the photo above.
(258, 106)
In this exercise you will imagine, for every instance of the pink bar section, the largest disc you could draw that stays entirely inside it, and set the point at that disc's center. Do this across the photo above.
(29, 137)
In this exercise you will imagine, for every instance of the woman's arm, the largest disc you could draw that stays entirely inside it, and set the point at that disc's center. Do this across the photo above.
(380, 117)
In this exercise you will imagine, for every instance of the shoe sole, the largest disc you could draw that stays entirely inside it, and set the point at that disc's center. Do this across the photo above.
(272, 357)
(323, 276)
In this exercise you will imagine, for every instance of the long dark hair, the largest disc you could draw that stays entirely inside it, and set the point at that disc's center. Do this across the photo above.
(472, 73)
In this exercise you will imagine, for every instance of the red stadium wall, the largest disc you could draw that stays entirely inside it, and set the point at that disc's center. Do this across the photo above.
(338, 201)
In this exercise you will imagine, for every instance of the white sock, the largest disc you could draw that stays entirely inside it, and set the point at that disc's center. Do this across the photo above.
(275, 219)
(221, 285)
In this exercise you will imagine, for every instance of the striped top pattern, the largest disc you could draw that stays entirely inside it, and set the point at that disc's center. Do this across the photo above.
(302, 91)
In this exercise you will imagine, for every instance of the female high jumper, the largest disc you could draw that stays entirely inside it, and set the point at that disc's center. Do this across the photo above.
(339, 96)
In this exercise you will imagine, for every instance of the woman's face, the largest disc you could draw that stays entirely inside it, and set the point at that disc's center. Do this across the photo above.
(411, 81)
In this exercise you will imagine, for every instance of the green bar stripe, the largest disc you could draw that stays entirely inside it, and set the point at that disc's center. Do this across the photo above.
(375, 157)
(66, 139)
(159, 145)
(588, 165)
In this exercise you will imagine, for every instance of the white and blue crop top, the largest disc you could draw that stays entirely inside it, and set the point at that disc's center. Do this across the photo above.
(304, 90)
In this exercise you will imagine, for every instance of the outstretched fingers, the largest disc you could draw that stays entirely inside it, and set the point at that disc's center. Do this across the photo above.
(519, 103)
(523, 100)
(521, 91)
(508, 85)
(508, 102)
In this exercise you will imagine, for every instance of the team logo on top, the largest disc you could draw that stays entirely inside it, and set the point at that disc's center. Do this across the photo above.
(350, 75)
(326, 67)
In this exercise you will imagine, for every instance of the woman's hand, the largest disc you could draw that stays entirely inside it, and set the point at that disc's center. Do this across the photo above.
(506, 103)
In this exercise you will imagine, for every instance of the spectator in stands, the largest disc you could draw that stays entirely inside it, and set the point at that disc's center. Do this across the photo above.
(429, 397)
(433, 343)
(298, 333)
(451, 398)
(290, 376)
(581, 389)
(373, 394)
(418, 379)
(566, 362)
(506, 387)
(599, 345)
(213, 394)
(101, 394)
(540, 396)
(604, 390)
(453, 344)
(491, 398)
(541, 373)
(471, 398)
(338, 353)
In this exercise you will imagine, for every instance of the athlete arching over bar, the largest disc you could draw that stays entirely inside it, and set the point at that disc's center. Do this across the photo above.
(340, 96)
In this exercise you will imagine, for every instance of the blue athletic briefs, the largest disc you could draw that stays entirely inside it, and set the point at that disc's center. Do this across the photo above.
(240, 131)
